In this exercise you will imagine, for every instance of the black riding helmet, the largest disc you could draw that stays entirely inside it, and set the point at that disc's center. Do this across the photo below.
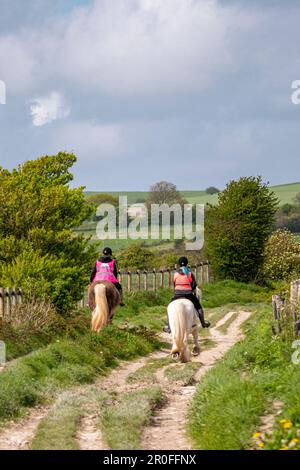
(107, 251)
(183, 261)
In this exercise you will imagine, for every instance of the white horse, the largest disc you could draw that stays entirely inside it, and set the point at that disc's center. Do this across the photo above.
(183, 321)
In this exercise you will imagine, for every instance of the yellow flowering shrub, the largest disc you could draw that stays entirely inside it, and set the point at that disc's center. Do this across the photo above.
(281, 256)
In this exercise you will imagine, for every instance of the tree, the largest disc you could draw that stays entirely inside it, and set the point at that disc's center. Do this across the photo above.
(238, 227)
(212, 190)
(164, 192)
(37, 213)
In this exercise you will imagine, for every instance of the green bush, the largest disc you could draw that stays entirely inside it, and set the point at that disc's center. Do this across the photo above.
(237, 228)
(39, 252)
(136, 256)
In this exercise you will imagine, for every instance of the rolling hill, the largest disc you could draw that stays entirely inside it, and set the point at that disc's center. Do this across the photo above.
(284, 192)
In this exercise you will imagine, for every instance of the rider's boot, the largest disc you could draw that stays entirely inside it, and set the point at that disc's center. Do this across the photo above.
(204, 323)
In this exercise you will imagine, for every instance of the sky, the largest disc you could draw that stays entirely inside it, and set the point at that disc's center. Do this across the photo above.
(196, 92)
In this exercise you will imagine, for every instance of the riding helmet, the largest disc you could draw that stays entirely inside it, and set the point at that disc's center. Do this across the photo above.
(183, 261)
(107, 251)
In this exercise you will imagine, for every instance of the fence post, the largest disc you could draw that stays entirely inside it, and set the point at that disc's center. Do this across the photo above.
(295, 303)
(201, 274)
(207, 271)
(169, 278)
(138, 274)
(277, 304)
(161, 278)
(8, 303)
(154, 279)
(129, 281)
(196, 273)
(14, 297)
(145, 279)
(20, 296)
(1, 303)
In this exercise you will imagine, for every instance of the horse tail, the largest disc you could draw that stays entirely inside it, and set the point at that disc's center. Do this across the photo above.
(101, 312)
(179, 328)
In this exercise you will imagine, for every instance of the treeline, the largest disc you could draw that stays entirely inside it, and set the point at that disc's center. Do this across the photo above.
(288, 216)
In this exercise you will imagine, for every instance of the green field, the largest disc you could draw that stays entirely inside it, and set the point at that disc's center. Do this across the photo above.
(284, 192)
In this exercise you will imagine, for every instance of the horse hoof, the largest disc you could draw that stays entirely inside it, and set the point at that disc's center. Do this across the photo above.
(175, 356)
(196, 352)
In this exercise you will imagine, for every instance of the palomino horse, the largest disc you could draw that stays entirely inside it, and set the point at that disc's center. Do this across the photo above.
(104, 298)
(183, 320)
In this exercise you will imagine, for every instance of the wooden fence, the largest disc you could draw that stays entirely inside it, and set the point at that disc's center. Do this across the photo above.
(287, 310)
(140, 280)
(9, 298)
(153, 279)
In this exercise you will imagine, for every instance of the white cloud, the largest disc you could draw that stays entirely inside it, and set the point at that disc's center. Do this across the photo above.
(142, 46)
(48, 109)
(130, 47)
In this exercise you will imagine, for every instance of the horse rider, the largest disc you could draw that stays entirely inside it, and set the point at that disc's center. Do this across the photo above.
(105, 269)
(185, 287)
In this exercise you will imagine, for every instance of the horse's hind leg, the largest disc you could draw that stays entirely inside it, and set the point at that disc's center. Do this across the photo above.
(185, 355)
(174, 351)
(196, 347)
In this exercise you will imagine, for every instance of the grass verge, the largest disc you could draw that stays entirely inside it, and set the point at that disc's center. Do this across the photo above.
(232, 397)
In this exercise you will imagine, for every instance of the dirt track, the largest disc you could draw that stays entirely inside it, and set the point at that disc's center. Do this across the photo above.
(167, 429)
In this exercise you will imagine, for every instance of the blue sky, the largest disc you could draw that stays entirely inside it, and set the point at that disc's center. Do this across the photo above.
(196, 92)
